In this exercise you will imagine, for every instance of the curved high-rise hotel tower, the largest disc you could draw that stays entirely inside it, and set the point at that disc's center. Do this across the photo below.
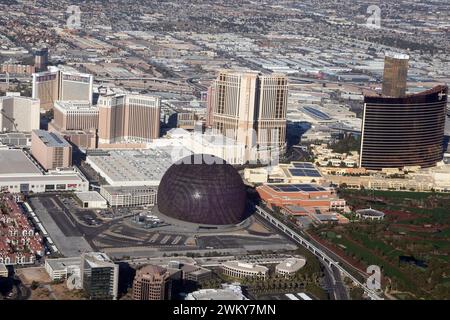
(404, 131)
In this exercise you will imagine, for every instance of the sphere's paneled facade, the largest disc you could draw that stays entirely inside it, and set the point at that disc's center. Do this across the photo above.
(203, 193)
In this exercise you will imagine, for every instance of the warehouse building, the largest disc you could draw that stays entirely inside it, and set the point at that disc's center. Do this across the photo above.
(91, 199)
(130, 167)
(129, 196)
(19, 172)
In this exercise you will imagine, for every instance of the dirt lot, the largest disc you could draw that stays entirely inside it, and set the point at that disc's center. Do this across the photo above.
(259, 228)
(40, 294)
(62, 293)
(28, 275)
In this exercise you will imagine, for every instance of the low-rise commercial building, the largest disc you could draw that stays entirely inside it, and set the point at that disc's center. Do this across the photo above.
(129, 196)
(416, 182)
(370, 214)
(195, 273)
(14, 68)
(326, 157)
(228, 292)
(53, 181)
(19, 172)
(256, 175)
(62, 268)
(91, 199)
(302, 195)
(294, 172)
(16, 139)
(239, 269)
(290, 266)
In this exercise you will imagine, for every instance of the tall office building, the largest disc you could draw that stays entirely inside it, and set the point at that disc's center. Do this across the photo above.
(76, 86)
(152, 283)
(56, 84)
(19, 113)
(99, 276)
(77, 121)
(51, 150)
(128, 118)
(75, 115)
(251, 109)
(45, 87)
(209, 106)
(395, 74)
(404, 131)
(41, 59)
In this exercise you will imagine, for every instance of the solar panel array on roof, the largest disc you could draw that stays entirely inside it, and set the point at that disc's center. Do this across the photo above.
(57, 139)
(304, 172)
(303, 165)
(296, 187)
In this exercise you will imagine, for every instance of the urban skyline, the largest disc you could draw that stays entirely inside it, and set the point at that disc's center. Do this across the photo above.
(224, 150)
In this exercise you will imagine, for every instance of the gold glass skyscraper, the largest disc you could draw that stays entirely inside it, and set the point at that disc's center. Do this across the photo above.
(395, 74)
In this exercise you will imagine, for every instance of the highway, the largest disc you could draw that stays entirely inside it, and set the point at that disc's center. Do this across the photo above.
(335, 284)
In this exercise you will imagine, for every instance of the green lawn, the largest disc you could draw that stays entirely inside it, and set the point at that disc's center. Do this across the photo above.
(382, 243)
(370, 259)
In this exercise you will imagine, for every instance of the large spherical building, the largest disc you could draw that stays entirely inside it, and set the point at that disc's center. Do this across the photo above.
(198, 191)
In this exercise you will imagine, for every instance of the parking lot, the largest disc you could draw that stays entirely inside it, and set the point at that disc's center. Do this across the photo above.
(88, 217)
(74, 230)
(60, 225)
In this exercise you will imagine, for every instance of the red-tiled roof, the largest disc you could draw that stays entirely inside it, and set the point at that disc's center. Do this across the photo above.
(17, 238)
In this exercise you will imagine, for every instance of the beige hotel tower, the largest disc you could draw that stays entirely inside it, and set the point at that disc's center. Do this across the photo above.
(128, 118)
(250, 108)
